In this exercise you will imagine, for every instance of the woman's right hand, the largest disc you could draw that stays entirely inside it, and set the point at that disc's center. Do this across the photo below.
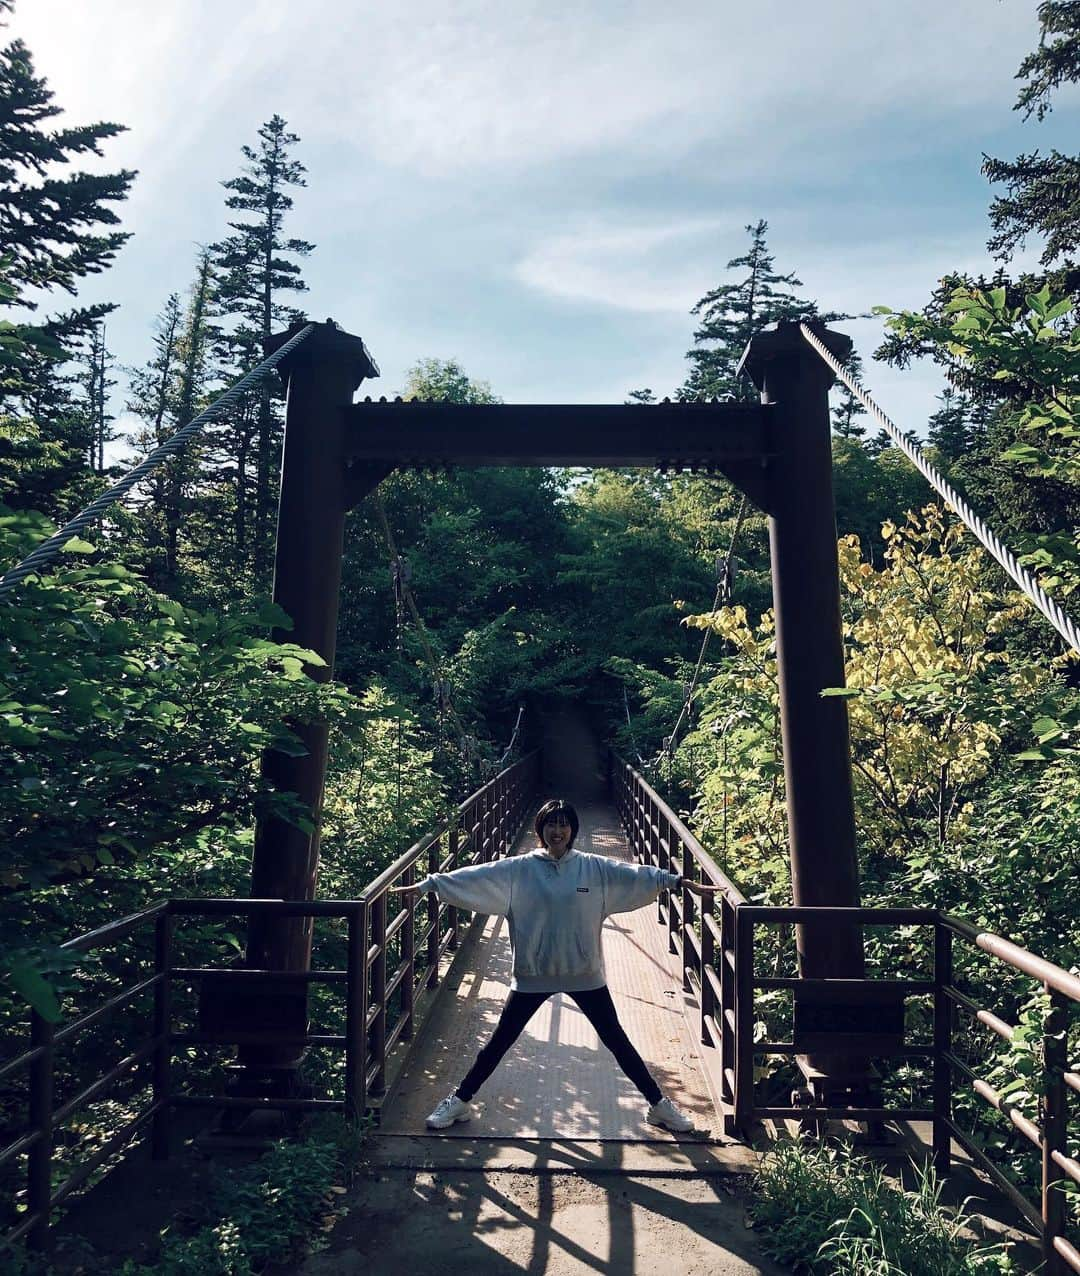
(402, 890)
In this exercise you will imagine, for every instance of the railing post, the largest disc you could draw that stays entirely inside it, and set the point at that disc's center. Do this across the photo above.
(162, 1119)
(708, 962)
(1055, 1129)
(943, 1016)
(378, 992)
(433, 918)
(408, 955)
(686, 915)
(39, 1159)
(727, 1015)
(356, 1006)
(452, 920)
(744, 1019)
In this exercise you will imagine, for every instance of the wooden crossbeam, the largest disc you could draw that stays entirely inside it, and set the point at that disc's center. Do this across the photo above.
(705, 435)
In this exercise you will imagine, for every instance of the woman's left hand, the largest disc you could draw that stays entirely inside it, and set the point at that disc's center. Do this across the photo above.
(700, 888)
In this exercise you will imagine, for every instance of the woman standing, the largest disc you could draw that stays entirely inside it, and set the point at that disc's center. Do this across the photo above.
(556, 899)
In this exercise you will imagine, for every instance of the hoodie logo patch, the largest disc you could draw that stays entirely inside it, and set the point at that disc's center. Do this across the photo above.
(583, 890)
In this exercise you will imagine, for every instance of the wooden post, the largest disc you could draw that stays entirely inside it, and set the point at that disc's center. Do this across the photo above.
(686, 913)
(708, 1007)
(322, 373)
(452, 920)
(794, 380)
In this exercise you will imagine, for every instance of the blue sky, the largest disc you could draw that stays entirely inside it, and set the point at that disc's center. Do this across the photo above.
(542, 191)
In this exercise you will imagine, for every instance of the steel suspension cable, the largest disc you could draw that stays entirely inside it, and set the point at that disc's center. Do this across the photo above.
(50, 549)
(630, 727)
(443, 684)
(994, 546)
(723, 592)
(513, 739)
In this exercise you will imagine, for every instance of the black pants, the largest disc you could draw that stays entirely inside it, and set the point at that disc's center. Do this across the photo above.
(597, 1007)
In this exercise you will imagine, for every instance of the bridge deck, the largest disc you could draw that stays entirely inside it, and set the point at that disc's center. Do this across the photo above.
(558, 1081)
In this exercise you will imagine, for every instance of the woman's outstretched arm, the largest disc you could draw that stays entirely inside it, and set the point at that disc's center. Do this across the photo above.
(631, 886)
(481, 888)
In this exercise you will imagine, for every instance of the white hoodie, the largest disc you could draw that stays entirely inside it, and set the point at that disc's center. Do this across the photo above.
(556, 908)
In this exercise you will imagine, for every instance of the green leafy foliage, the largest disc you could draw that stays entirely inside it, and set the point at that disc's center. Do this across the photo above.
(823, 1209)
(130, 721)
(255, 1217)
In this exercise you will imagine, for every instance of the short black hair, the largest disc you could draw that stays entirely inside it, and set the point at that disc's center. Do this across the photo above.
(557, 806)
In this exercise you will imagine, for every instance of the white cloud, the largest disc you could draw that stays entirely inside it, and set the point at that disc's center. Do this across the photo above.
(440, 86)
(547, 189)
(654, 268)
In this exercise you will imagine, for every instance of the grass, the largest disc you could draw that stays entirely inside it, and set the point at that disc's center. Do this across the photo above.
(823, 1209)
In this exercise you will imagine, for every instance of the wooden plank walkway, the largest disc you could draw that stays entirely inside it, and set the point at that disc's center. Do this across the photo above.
(558, 1082)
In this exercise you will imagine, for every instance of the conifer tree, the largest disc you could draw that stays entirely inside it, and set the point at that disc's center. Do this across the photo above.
(167, 394)
(152, 396)
(193, 353)
(51, 226)
(99, 363)
(948, 428)
(152, 399)
(847, 407)
(730, 315)
(55, 229)
(253, 271)
(1043, 191)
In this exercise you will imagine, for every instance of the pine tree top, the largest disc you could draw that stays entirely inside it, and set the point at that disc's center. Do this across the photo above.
(1055, 62)
(48, 224)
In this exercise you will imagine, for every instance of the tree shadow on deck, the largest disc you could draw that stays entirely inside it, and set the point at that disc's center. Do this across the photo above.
(541, 1219)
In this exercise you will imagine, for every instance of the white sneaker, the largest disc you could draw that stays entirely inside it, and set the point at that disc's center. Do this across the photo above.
(450, 1110)
(664, 1113)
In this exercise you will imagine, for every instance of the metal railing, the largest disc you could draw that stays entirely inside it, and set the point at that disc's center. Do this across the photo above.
(390, 958)
(484, 828)
(46, 1116)
(718, 963)
(658, 837)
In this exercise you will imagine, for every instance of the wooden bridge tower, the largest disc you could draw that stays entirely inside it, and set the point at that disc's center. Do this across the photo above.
(778, 452)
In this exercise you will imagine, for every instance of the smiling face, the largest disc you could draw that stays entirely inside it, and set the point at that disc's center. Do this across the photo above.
(557, 832)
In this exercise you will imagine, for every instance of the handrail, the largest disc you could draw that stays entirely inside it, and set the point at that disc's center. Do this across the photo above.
(409, 857)
(380, 995)
(718, 968)
(701, 856)
(393, 956)
(1019, 958)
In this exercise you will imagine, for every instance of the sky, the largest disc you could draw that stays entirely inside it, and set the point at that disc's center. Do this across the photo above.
(543, 191)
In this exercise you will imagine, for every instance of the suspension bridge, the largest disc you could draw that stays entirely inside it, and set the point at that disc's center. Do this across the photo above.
(419, 983)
